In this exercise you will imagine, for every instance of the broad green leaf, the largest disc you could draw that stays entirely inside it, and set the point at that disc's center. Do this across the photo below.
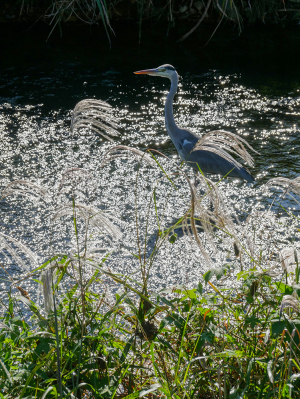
(208, 275)
(285, 289)
(199, 288)
(173, 238)
(277, 326)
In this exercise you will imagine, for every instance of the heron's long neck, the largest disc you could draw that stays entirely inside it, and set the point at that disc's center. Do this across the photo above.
(170, 123)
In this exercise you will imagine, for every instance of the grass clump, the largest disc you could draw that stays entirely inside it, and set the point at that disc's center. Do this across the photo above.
(214, 340)
(232, 333)
(193, 343)
(107, 13)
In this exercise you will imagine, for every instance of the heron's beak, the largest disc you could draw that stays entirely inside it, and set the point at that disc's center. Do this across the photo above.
(147, 72)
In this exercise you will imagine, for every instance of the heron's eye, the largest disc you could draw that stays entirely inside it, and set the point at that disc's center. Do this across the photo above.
(163, 69)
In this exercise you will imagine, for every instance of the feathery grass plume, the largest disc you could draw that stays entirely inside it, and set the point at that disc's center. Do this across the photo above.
(4, 243)
(289, 262)
(24, 187)
(121, 151)
(204, 217)
(46, 278)
(221, 142)
(96, 115)
(288, 301)
(91, 215)
(286, 184)
(218, 218)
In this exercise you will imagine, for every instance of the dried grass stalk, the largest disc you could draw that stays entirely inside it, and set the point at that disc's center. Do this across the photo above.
(31, 189)
(286, 184)
(46, 278)
(4, 243)
(216, 218)
(289, 261)
(120, 151)
(91, 215)
(96, 115)
(221, 142)
(288, 301)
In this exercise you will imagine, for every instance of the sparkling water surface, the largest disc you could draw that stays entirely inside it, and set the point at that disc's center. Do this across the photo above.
(36, 144)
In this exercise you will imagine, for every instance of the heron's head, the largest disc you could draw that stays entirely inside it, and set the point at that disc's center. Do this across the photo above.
(165, 71)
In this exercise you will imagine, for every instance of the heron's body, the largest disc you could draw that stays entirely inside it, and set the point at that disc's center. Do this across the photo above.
(210, 159)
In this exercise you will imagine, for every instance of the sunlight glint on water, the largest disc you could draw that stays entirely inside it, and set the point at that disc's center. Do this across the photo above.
(36, 145)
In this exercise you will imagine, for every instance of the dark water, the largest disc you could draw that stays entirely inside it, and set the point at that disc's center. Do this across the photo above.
(253, 92)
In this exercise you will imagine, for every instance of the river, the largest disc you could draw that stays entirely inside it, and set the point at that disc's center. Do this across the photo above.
(255, 95)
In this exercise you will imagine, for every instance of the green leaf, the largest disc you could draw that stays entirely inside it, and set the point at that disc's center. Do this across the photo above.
(297, 289)
(43, 346)
(126, 349)
(200, 343)
(190, 294)
(132, 395)
(43, 375)
(219, 272)
(165, 343)
(249, 368)
(178, 320)
(37, 281)
(199, 288)
(173, 238)
(235, 393)
(252, 320)
(285, 289)
(208, 275)
(295, 379)
(33, 372)
(277, 327)
(48, 390)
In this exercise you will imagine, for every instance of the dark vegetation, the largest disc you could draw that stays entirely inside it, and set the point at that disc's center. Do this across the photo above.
(58, 13)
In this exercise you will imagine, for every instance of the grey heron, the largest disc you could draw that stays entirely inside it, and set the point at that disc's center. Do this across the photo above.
(209, 153)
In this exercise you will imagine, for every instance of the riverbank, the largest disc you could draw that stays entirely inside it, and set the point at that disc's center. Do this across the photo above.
(230, 336)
